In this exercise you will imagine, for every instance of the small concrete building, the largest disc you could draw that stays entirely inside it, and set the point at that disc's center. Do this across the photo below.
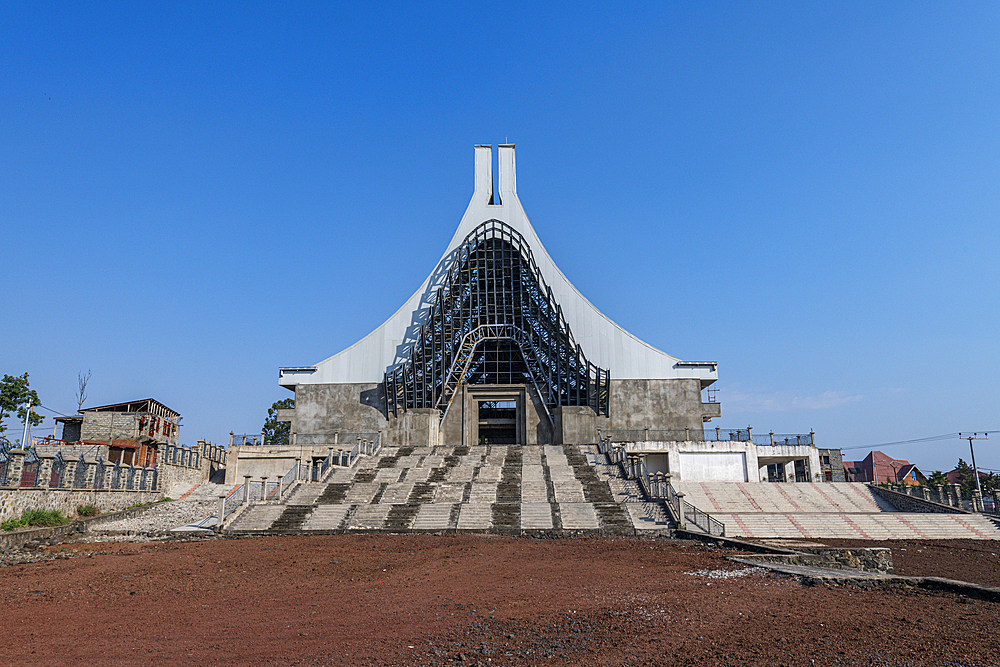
(131, 432)
(497, 346)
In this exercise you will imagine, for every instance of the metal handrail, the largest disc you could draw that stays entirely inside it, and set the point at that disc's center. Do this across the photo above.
(657, 487)
(233, 501)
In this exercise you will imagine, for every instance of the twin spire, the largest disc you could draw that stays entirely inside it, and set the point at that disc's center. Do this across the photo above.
(484, 173)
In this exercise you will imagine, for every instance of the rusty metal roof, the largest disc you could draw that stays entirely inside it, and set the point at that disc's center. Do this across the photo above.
(148, 405)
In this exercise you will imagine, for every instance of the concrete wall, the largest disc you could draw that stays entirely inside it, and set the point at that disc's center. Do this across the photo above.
(635, 404)
(89, 451)
(461, 423)
(726, 460)
(268, 460)
(576, 425)
(714, 466)
(655, 404)
(176, 479)
(332, 408)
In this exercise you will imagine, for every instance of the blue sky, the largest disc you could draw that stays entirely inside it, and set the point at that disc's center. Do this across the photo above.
(192, 195)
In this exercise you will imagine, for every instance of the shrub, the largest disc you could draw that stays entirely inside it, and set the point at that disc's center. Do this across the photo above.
(11, 524)
(35, 518)
(44, 518)
(87, 510)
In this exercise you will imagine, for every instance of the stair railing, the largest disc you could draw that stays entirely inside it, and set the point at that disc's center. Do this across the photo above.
(657, 488)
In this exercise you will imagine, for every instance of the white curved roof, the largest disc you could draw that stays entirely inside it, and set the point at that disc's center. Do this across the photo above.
(604, 343)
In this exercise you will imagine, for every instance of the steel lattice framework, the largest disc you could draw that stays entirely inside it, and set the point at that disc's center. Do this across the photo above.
(494, 321)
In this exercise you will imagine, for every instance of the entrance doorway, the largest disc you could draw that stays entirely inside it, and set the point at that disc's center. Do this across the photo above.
(498, 422)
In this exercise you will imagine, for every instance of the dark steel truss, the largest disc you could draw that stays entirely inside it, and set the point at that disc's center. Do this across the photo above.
(494, 321)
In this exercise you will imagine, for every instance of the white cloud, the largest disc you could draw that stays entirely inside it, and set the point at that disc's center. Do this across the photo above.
(780, 401)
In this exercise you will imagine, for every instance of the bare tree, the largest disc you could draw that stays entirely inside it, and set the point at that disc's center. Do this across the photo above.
(81, 393)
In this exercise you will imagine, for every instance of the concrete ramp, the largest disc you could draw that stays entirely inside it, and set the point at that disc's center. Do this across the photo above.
(824, 510)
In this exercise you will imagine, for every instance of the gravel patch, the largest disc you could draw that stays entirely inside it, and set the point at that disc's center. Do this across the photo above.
(726, 574)
(163, 517)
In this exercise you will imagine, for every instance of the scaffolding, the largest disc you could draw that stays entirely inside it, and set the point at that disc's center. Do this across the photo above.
(495, 321)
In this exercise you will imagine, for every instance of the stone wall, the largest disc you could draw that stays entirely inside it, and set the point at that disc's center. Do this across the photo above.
(102, 426)
(835, 467)
(13, 502)
(907, 503)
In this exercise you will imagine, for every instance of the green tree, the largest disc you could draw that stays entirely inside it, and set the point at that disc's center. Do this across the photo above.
(990, 483)
(15, 394)
(275, 432)
(937, 478)
(966, 476)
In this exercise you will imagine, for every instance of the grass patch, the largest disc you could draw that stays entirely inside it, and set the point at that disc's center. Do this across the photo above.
(87, 510)
(36, 518)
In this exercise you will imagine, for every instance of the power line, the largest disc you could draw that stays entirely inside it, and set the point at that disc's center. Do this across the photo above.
(944, 436)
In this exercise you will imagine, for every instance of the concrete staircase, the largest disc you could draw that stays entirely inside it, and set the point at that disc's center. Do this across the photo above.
(824, 510)
(502, 489)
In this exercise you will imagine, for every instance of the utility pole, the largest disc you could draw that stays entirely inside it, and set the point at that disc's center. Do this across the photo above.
(975, 470)
(27, 419)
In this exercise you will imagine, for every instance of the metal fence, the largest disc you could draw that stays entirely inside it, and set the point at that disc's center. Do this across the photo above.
(707, 435)
(100, 474)
(288, 480)
(32, 466)
(4, 468)
(80, 475)
(58, 470)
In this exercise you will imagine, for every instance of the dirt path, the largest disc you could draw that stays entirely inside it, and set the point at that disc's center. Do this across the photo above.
(462, 600)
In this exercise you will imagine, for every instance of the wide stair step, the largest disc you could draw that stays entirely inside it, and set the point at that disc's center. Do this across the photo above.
(489, 488)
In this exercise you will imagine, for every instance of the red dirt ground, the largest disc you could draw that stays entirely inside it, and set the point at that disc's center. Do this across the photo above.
(462, 600)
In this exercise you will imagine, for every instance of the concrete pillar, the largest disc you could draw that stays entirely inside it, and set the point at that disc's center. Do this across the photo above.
(246, 488)
(926, 493)
(956, 490)
(680, 511)
(790, 471)
(977, 501)
(278, 499)
(263, 487)
(222, 511)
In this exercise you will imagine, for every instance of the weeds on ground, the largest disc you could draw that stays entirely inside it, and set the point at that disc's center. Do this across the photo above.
(87, 510)
(36, 518)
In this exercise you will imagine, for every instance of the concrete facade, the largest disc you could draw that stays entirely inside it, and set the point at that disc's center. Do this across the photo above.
(649, 389)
